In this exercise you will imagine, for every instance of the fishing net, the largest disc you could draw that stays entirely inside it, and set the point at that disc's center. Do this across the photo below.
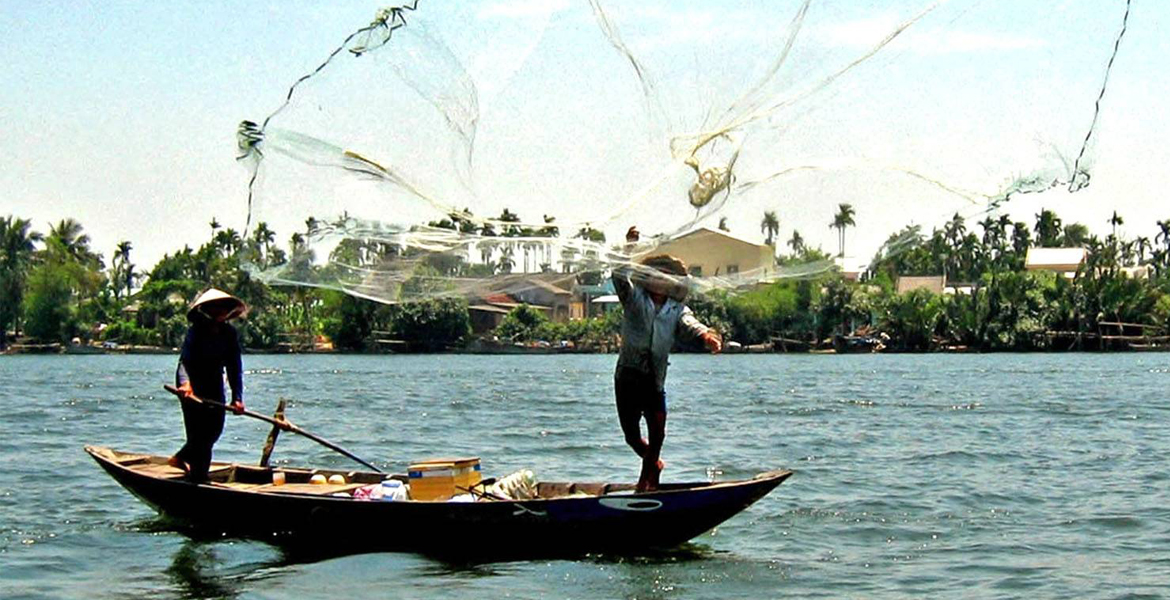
(474, 148)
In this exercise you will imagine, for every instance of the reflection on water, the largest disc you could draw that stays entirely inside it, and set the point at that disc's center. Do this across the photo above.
(220, 568)
(210, 565)
(688, 552)
(195, 573)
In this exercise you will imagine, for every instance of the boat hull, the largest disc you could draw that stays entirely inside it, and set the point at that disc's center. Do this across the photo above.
(609, 522)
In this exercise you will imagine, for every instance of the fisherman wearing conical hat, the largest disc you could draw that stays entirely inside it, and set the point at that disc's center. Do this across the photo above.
(653, 313)
(210, 350)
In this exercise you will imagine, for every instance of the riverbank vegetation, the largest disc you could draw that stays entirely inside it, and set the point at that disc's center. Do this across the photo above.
(56, 288)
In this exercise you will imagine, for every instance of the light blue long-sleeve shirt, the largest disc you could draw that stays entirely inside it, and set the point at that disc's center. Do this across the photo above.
(648, 331)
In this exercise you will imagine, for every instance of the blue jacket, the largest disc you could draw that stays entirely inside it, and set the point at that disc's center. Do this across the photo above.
(208, 353)
(648, 331)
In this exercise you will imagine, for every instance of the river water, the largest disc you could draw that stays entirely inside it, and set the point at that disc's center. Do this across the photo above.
(980, 476)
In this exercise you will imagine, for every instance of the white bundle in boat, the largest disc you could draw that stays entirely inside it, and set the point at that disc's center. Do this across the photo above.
(520, 485)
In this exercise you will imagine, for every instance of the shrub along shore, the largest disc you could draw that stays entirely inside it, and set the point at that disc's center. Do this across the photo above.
(58, 294)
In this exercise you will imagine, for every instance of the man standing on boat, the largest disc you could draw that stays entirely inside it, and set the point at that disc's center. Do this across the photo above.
(210, 350)
(652, 295)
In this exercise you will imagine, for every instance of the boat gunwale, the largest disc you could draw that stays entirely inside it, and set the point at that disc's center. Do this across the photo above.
(109, 456)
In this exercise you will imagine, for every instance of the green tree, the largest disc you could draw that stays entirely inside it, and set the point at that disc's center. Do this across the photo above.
(1163, 234)
(796, 242)
(432, 324)
(1047, 229)
(124, 275)
(769, 226)
(49, 308)
(521, 324)
(349, 321)
(261, 245)
(755, 316)
(67, 251)
(17, 249)
(507, 260)
(911, 319)
(1115, 221)
(590, 234)
(954, 233)
(1075, 235)
(842, 220)
(67, 242)
(510, 217)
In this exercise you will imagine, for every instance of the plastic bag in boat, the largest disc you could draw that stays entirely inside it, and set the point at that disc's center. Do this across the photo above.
(390, 490)
(368, 492)
(520, 485)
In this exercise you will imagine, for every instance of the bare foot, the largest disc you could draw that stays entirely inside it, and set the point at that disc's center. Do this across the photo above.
(648, 482)
(177, 463)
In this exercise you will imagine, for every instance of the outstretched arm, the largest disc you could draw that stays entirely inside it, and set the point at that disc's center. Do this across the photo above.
(690, 326)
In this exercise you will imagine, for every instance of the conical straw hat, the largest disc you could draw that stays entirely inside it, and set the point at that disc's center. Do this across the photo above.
(214, 295)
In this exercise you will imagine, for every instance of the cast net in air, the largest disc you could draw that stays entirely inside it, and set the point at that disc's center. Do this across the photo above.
(472, 148)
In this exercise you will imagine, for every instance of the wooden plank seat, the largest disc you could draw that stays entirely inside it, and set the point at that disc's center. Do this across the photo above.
(165, 471)
(294, 488)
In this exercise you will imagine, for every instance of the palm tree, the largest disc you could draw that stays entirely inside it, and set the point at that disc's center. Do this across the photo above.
(123, 268)
(263, 238)
(1021, 238)
(796, 243)
(590, 234)
(1164, 234)
(1143, 245)
(214, 224)
(1075, 235)
(1047, 229)
(530, 248)
(552, 231)
(510, 217)
(228, 241)
(486, 248)
(954, 233)
(466, 224)
(1115, 220)
(990, 232)
(841, 220)
(506, 262)
(17, 248)
(769, 226)
(1160, 259)
(66, 240)
(955, 229)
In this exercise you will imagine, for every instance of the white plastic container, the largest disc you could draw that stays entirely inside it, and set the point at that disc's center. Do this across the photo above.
(395, 491)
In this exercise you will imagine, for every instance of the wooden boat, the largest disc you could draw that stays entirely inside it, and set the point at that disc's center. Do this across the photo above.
(564, 518)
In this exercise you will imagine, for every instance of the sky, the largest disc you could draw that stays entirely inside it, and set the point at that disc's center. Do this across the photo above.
(123, 115)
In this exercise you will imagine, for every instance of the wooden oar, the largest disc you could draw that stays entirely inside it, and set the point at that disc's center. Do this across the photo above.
(283, 424)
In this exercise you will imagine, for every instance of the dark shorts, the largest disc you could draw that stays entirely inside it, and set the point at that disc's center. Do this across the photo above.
(637, 392)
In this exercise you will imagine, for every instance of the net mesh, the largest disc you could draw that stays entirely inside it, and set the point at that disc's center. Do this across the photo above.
(472, 148)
